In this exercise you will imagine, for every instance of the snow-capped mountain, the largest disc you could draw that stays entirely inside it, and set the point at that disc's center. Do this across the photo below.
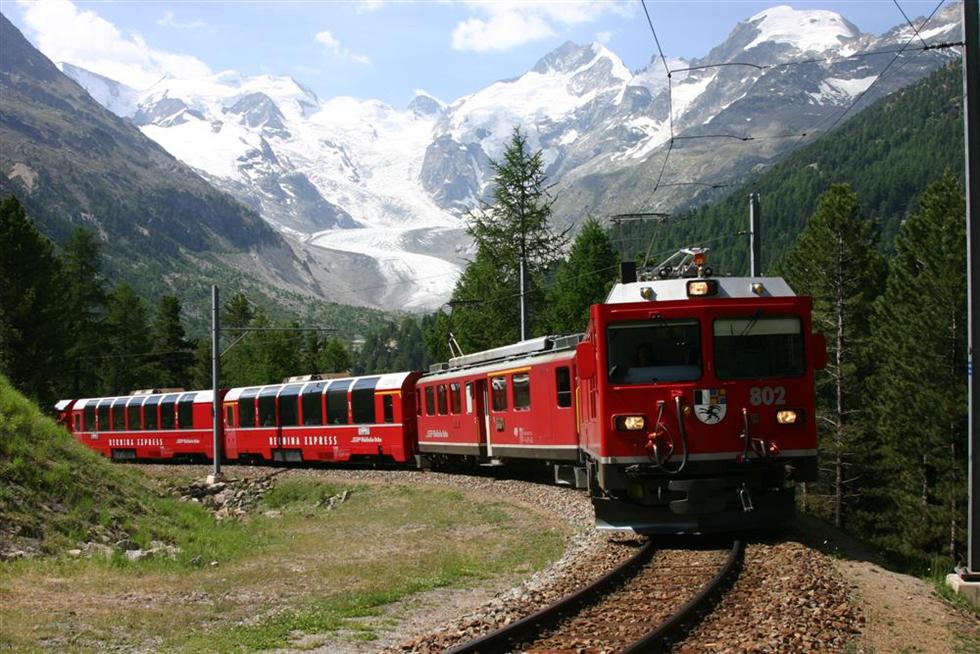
(367, 179)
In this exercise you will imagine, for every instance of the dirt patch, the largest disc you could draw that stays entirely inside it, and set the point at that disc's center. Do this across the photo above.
(902, 613)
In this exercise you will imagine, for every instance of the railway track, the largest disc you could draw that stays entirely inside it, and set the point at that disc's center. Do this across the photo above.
(640, 606)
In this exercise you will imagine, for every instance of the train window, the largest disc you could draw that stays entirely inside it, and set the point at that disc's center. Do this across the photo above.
(362, 400)
(185, 411)
(337, 402)
(753, 348)
(430, 401)
(388, 405)
(563, 384)
(289, 405)
(246, 407)
(469, 397)
(441, 399)
(150, 414)
(522, 390)
(653, 351)
(77, 421)
(103, 413)
(312, 401)
(167, 413)
(454, 399)
(133, 413)
(119, 415)
(229, 415)
(498, 387)
(89, 422)
(267, 406)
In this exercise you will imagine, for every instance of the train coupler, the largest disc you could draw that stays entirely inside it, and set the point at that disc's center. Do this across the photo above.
(745, 498)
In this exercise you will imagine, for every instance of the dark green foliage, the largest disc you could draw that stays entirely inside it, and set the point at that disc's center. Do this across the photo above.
(33, 338)
(487, 296)
(175, 352)
(335, 357)
(86, 304)
(127, 344)
(238, 312)
(888, 153)
(917, 506)
(583, 280)
(835, 261)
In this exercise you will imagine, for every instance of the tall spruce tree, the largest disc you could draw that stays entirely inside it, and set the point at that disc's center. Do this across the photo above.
(335, 357)
(835, 261)
(86, 305)
(583, 280)
(128, 362)
(33, 339)
(176, 353)
(515, 227)
(919, 396)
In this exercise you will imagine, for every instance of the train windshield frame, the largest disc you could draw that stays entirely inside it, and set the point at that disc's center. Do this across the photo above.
(758, 347)
(654, 351)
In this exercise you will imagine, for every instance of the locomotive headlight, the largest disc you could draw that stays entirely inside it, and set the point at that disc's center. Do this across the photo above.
(630, 423)
(789, 417)
(702, 287)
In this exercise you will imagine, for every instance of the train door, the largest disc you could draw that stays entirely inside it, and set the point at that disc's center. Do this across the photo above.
(476, 409)
(230, 431)
(483, 393)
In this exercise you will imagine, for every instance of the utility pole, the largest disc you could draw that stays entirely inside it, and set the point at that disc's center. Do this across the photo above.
(215, 381)
(755, 248)
(971, 127)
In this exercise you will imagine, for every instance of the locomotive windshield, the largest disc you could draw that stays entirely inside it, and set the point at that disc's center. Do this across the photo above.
(758, 347)
(654, 351)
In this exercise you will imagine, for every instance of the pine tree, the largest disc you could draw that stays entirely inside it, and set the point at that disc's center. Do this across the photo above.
(33, 338)
(514, 227)
(238, 312)
(128, 344)
(335, 357)
(834, 260)
(583, 280)
(920, 333)
(176, 352)
(86, 303)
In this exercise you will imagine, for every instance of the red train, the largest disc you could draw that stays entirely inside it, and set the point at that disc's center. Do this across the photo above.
(686, 407)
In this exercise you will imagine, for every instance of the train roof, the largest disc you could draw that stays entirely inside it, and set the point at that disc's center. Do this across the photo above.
(534, 347)
(676, 289)
(385, 382)
(496, 366)
(199, 397)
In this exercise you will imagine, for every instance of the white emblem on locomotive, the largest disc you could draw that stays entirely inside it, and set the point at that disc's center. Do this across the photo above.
(710, 405)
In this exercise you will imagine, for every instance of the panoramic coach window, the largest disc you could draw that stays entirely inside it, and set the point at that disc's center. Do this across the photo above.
(267, 406)
(133, 413)
(103, 414)
(388, 405)
(167, 413)
(654, 351)
(454, 400)
(185, 411)
(150, 412)
(758, 347)
(337, 402)
(90, 416)
(441, 399)
(522, 390)
(119, 415)
(563, 384)
(498, 386)
(362, 400)
(430, 401)
(312, 401)
(246, 407)
(289, 405)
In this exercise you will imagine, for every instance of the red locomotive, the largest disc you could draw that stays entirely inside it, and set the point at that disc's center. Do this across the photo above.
(686, 407)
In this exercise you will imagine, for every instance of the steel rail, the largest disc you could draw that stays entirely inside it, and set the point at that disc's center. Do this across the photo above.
(656, 640)
(506, 638)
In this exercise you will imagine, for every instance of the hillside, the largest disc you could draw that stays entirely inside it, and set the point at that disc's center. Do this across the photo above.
(56, 493)
(162, 228)
(888, 153)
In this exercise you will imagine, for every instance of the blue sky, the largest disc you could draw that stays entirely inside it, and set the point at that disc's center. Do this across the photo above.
(382, 48)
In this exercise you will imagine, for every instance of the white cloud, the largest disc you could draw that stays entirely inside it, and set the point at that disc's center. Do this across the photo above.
(83, 38)
(603, 37)
(326, 39)
(368, 6)
(505, 24)
(169, 20)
